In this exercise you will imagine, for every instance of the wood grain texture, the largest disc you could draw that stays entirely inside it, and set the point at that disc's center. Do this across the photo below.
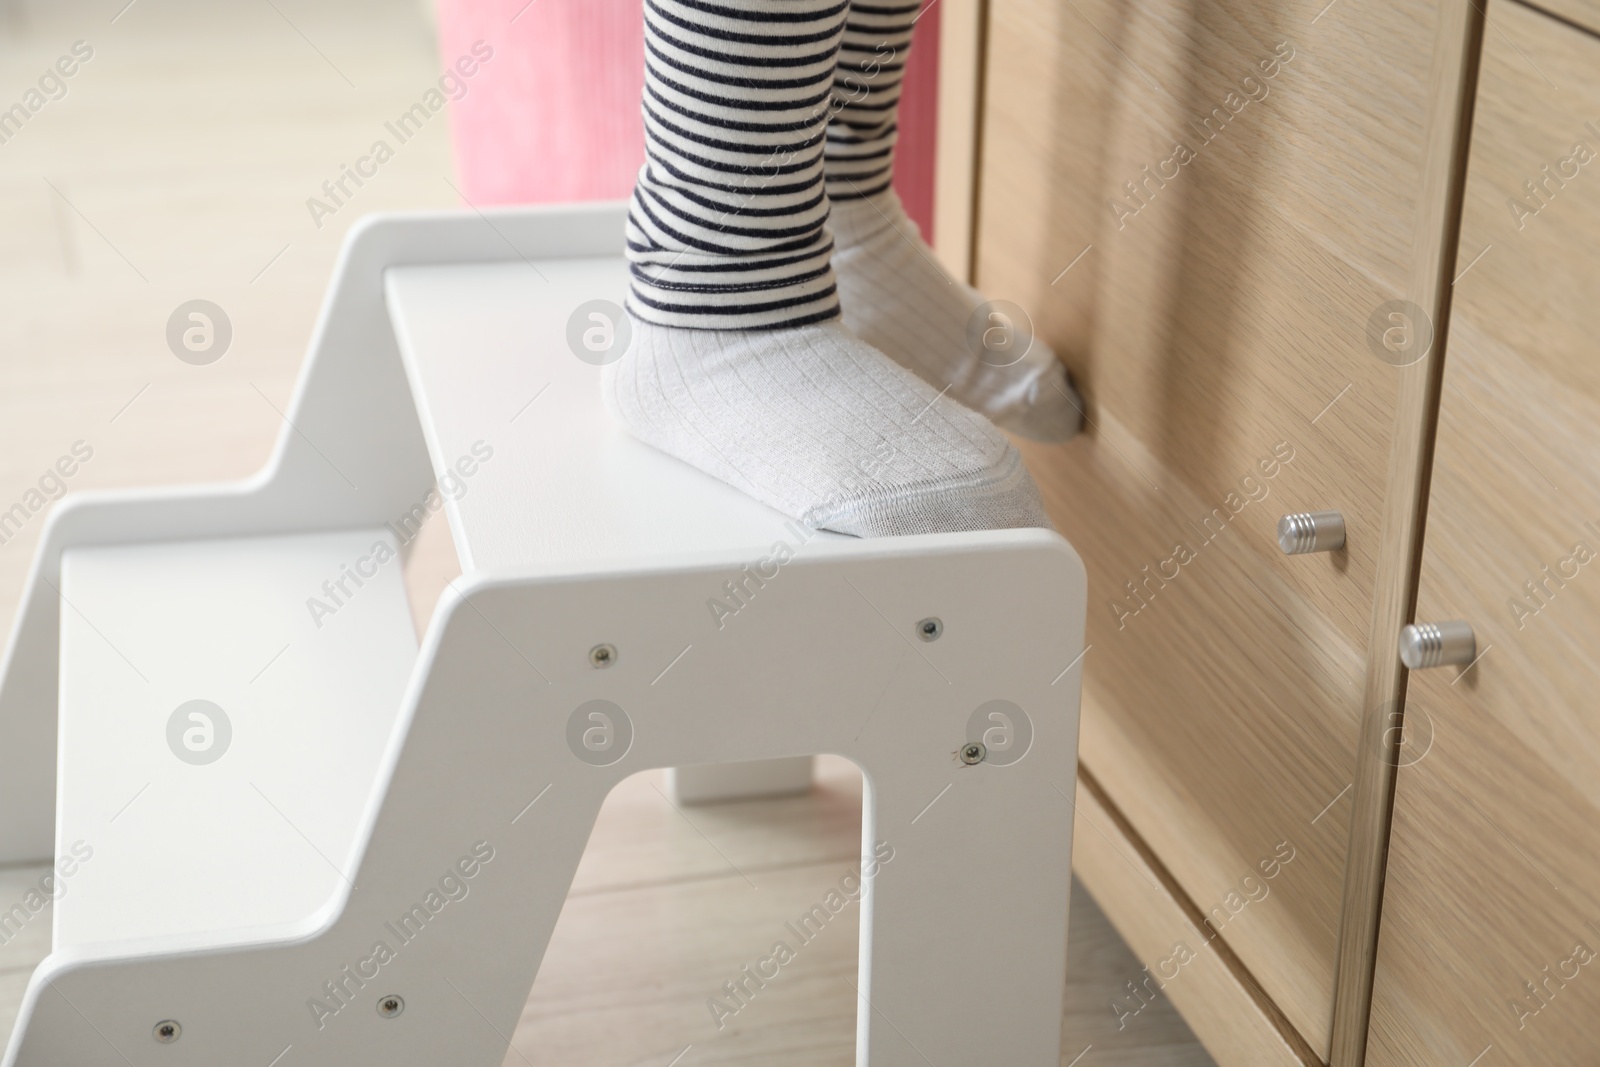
(1451, 86)
(1584, 14)
(668, 905)
(83, 334)
(1494, 864)
(1211, 317)
(1182, 960)
(631, 964)
(961, 33)
(1224, 714)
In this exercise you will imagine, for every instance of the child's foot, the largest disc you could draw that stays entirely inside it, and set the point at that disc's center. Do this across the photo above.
(820, 425)
(896, 297)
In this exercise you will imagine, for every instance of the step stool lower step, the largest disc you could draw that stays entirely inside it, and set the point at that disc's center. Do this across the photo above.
(225, 706)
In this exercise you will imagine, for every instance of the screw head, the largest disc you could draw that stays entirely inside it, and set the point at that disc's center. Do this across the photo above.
(166, 1031)
(973, 752)
(602, 656)
(390, 1006)
(930, 629)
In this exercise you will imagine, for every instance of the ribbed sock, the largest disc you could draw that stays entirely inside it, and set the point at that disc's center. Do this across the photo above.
(739, 364)
(821, 426)
(896, 296)
(894, 293)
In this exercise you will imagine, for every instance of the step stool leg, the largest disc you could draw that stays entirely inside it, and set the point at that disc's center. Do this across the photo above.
(708, 783)
(964, 927)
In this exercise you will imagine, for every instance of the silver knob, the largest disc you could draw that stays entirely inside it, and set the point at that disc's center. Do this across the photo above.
(1311, 531)
(1435, 644)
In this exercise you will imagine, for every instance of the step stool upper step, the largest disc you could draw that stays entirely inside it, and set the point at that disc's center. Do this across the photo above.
(533, 470)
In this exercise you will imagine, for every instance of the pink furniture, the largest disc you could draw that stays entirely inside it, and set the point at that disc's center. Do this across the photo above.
(554, 115)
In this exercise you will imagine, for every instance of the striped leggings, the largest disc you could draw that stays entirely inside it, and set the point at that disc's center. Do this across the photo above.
(758, 114)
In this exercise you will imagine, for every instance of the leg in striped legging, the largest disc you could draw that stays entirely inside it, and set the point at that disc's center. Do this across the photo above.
(739, 363)
(894, 293)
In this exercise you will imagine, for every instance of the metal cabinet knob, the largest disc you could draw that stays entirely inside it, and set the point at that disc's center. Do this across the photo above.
(1311, 531)
(1436, 644)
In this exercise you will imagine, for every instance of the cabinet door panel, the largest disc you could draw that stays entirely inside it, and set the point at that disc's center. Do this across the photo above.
(1493, 887)
(1202, 205)
(1584, 14)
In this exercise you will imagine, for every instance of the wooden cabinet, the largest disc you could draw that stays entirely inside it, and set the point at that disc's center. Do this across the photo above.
(1203, 205)
(1490, 938)
(1214, 211)
(1583, 14)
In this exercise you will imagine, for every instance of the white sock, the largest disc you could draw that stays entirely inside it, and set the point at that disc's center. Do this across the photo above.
(896, 296)
(818, 424)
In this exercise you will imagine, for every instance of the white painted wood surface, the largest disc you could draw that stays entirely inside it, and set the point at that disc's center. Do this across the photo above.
(661, 914)
(486, 349)
(532, 469)
(262, 836)
(624, 982)
(350, 453)
(713, 783)
(957, 951)
(960, 952)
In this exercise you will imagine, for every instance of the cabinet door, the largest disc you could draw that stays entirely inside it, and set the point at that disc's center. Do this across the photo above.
(1489, 944)
(1204, 206)
(1584, 14)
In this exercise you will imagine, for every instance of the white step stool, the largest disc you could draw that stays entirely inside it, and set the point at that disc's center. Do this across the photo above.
(370, 870)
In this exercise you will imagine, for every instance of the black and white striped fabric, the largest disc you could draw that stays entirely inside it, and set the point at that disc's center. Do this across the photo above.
(859, 155)
(727, 229)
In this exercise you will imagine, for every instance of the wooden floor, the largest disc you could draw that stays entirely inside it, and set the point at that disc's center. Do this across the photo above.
(669, 904)
(177, 166)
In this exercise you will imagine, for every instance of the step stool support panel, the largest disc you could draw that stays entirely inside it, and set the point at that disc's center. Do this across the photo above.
(500, 767)
(329, 469)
